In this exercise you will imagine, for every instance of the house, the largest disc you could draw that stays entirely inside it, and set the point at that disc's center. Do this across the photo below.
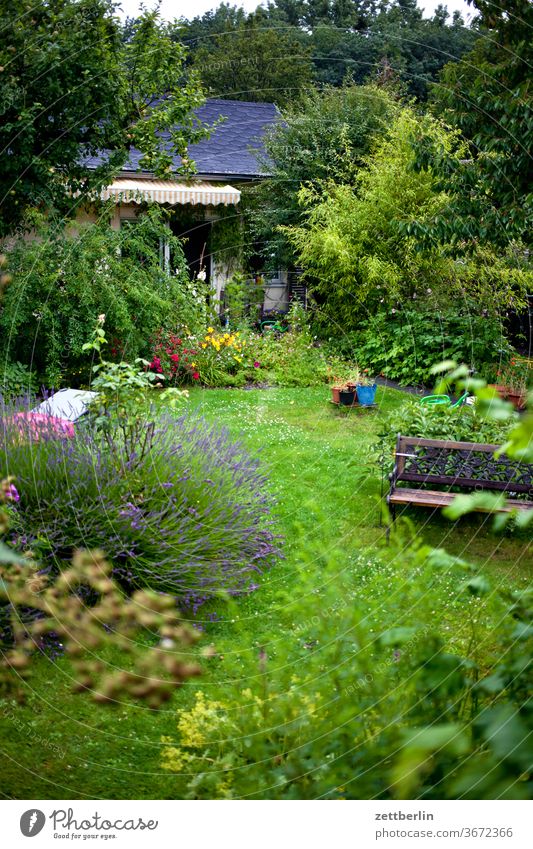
(232, 157)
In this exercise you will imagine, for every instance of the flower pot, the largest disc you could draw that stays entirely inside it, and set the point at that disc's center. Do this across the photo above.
(335, 394)
(347, 397)
(366, 395)
(517, 398)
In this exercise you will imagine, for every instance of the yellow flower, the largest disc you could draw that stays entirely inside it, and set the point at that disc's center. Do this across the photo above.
(210, 330)
(204, 344)
(193, 365)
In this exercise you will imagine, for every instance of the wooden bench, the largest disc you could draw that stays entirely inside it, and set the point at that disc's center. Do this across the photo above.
(433, 466)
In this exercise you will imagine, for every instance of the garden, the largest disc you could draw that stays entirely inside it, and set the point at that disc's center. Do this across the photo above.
(238, 617)
(207, 590)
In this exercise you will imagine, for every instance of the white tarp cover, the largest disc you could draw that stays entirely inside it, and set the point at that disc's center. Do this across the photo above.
(69, 404)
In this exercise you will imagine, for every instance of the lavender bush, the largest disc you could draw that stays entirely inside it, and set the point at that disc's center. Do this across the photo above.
(190, 517)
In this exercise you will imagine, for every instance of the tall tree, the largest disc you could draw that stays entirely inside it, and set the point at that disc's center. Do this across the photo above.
(255, 61)
(488, 97)
(325, 137)
(352, 38)
(356, 246)
(71, 86)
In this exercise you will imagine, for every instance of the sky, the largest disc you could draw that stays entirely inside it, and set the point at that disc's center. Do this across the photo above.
(190, 8)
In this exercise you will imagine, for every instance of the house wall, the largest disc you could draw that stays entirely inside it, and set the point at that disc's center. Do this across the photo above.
(121, 212)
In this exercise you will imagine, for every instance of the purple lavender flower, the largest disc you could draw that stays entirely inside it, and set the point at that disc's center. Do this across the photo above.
(11, 492)
(191, 517)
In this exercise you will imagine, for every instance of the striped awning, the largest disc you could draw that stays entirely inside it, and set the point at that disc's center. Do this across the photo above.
(165, 191)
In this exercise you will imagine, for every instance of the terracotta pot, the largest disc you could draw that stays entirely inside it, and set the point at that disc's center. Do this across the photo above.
(517, 399)
(335, 394)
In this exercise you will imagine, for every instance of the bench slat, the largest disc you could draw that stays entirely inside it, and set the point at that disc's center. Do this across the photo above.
(433, 498)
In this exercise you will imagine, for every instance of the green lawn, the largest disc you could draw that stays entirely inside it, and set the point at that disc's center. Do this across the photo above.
(61, 745)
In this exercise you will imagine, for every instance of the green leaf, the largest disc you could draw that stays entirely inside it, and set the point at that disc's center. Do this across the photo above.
(463, 504)
(7, 555)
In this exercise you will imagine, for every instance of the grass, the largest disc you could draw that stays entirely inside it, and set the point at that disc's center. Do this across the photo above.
(60, 745)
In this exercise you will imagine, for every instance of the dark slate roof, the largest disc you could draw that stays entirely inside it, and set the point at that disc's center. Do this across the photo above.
(233, 147)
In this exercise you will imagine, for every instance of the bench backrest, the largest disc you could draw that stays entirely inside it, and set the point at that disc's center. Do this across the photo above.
(469, 464)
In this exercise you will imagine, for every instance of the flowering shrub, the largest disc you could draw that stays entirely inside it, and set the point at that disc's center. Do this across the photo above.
(216, 358)
(173, 357)
(233, 358)
(188, 517)
(37, 612)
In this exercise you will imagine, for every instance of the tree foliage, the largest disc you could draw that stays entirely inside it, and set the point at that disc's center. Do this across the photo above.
(63, 281)
(359, 246)
(325, 136)
(253, 62)
(355, 38)
(72, 86)
(487, 96)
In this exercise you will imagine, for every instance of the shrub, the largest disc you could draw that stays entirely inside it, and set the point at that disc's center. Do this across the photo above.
(243, 299)
(63, 281)
(35, 611)
(292, 360)
(214, 358)
(223, 358)
(187, 516)
(17, 380)
(403, 345)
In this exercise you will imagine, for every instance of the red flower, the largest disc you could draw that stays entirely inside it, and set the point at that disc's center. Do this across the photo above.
(196, 376)
(174, 358)
(256, 364)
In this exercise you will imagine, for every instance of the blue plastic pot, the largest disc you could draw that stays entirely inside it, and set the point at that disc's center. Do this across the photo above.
(366, 395)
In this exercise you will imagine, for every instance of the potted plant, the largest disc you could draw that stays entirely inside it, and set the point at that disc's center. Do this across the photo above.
(513, 381)
(336, 389)
(366, 389)
(344, 384)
